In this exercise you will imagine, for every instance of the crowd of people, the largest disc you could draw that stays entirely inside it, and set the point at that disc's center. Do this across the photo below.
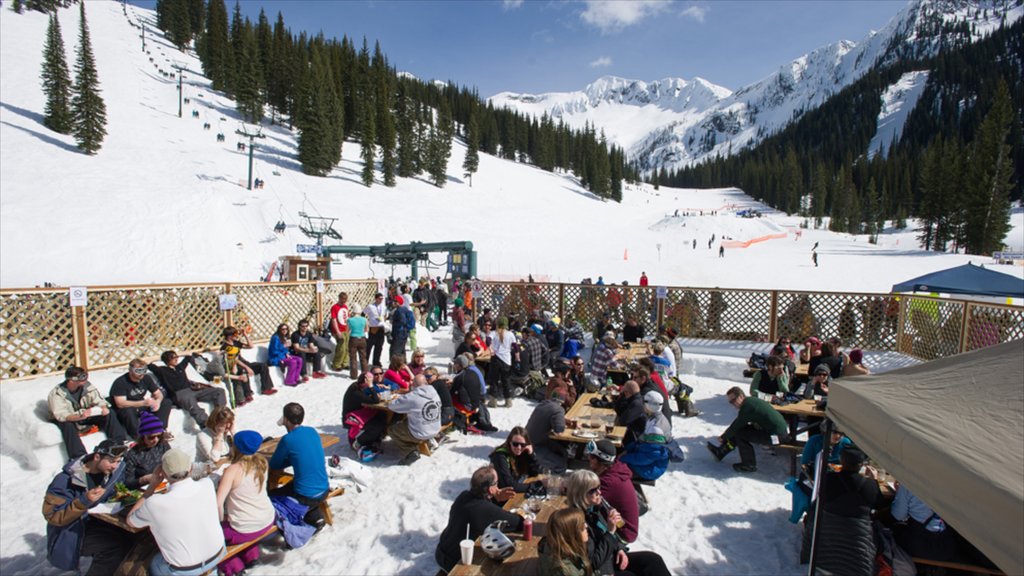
(538, 356)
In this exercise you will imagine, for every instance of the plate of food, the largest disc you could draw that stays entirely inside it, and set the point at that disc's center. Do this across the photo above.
(585, 434)
(125, 496)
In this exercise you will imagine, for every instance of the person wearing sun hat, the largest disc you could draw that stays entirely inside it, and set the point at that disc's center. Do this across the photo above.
(183, 520)
(243, 502)
(616, 485)
(144, 458)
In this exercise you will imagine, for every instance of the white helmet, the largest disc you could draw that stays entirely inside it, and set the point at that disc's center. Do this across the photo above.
(496, 545)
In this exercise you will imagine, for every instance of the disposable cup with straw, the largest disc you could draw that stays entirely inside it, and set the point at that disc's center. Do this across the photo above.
(466, 547)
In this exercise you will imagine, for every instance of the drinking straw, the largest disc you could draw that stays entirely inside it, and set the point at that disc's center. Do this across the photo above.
(467, 531)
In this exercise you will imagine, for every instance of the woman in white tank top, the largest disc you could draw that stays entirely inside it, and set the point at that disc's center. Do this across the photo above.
(245, 509)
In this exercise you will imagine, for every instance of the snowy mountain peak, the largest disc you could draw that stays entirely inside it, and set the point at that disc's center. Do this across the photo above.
(688, 121)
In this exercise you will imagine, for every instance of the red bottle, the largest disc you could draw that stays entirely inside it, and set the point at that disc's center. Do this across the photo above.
(527, 529)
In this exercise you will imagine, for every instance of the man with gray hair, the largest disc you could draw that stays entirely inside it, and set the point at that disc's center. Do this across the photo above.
(468, 389)
(422, 409)
(184, 520)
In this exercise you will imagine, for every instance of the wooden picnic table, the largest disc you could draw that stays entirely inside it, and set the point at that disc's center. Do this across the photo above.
(793, 413)
(802, 370)
(526, 559)
(270, 444)
(583, 413)
(633, 353)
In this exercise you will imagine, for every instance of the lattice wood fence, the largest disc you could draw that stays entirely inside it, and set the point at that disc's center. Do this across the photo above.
(41, 334)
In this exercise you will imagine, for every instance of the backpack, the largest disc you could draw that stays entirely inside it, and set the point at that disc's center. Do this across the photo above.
(757, 361)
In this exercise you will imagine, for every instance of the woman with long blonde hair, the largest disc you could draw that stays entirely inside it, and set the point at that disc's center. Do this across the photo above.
(242, 500)
(563, 552)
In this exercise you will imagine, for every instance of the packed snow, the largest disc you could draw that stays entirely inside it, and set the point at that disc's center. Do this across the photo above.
(164, 202)
(898, 102)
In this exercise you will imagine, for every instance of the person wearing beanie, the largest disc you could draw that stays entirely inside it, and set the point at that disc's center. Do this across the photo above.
(242, 501)
(856, 365)
(77, 407)
(183, 520)
(142, 460)
(458, 322)
(616, 485)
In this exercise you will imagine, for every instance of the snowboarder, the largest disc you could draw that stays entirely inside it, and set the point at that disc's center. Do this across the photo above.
(815, 247)
(721, 251)
(814, 258)
(694, 243)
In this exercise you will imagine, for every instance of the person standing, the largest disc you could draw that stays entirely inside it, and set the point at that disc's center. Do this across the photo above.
(402, 324)
(183, 520)
(339, 329)
(499, 370)
(721, 251)
(357, 324)
(75, 406)
(643, 278)
(376, 314)
(814, 258)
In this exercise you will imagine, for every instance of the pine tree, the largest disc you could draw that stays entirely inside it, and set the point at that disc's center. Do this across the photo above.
(56, 81)
(872, 208)
(18, 6)
(472, 162)
(317, 144)
(388, 156)
(248, 96)
(367, 115)
(407, 151)
(88, 111)
(177, 23)
(818, 194)
(990, 180)
(218, 64)
(439, 148)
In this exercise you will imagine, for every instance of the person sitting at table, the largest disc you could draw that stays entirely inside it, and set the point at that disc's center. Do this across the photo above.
(787, 348)
(781, 352)
(422, 409)
(632, 332)
(629, 411)
(846, 542)
(820, 382)
(468, 395)
(650, 455)
(472, 342)
(563, 551)
(514, 460)
(398, 376)
(76, 406)
(603, 358)
(366, 426)
(560, 383)
(607, 553)
(279, 354)
(144, 458)
(647, 377)
(418, 363)
(301, 449)
(828, 357)
(771, 379)
(476, 508)
(548, 417)
(812, 348)
(214, 441)
(135, 392)
(183, 520)
(576, 376)
(756, 423)
(82, 483)
(554, 338)
(659, 350)
(443, 388)
(304, 345)
(856, 367)
(232, 349)
(919, 529)
(243, 504)
(616, 485)
(184, 393)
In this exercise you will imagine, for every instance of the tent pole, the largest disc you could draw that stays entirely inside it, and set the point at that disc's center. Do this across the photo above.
(821, 473)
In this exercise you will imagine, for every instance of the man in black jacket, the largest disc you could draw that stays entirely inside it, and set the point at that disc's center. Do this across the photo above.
(467, 393)
(184, 393)
(629, 411)
(477, 507)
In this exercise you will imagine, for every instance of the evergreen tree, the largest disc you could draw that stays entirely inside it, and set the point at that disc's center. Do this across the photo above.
(218, 64)
(439, 148)
(407, 151)
(872, 209)
(18, 6)
(930, 186)
(177, 23)
(248, 96)
(991, 178)
(472, 162)
(818, 194)
(318, 135)
(388, 155)
(88, 110)
(367, 115)
(56, 80)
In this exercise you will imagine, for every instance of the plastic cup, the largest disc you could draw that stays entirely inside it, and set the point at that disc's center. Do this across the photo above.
(466, 547)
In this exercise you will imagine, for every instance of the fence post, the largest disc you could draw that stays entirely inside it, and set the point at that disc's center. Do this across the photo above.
(227, 313)
(963, 327)
(561, 300)
(773, 322)
(904, 302)
(318, 321)
(660, 311)
(79, 329)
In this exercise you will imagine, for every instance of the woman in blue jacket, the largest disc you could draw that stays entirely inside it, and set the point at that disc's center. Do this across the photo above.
(278, 355)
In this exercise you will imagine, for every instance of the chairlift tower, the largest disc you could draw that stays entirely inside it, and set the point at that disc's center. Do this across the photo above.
(317, 227)
(181, 76)
(244, 132)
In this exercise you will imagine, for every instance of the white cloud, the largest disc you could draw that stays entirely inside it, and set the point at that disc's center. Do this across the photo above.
(614, 15)
(511, 4)
(695, 13)
(602, 62)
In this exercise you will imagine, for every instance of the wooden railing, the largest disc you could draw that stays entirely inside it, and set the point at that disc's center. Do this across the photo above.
(41, 334)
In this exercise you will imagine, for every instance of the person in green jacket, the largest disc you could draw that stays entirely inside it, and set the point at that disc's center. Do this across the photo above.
(563, 552)
(757, 423)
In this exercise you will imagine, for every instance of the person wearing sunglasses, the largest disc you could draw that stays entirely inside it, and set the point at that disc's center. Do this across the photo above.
(142, 460)
(757, 423)
(136, 392)
(514, 460)
(77, 407)
(616, 485)
(608, 555)
(83, 483)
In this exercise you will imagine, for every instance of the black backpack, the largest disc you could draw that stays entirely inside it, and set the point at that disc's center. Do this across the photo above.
(757, 361)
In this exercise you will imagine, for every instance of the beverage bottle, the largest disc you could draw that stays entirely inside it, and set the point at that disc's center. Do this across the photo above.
(527, 528)
(608, 510)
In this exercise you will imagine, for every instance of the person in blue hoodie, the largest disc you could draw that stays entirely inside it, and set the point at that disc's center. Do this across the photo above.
(70, 533)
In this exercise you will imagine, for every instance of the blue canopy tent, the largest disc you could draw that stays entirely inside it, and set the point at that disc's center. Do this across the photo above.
(966, 279)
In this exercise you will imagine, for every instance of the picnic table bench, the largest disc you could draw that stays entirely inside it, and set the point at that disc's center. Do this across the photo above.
(526, 559)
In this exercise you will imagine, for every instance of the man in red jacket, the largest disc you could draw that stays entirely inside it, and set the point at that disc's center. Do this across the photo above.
(616, 485)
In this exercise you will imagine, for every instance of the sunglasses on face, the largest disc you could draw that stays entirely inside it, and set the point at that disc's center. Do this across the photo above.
(594, 491)
(79, 378)
(519, 444)
(375, 374)
(114, 452)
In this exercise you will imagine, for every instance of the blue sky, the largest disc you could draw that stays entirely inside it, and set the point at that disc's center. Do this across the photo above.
(536, 46)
